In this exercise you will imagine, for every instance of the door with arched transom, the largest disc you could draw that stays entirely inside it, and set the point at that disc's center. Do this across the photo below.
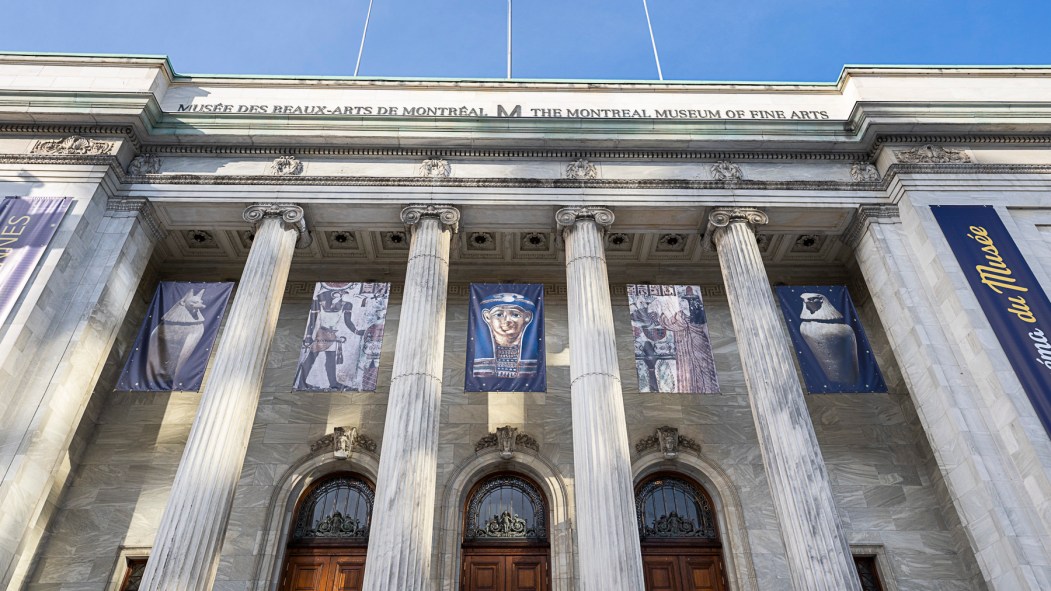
(505, 544)
(329, 536)
(680, 539)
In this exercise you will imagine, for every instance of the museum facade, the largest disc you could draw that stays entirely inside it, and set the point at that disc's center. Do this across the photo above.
(328, 448)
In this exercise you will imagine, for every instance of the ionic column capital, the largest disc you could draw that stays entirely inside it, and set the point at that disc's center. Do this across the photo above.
(721, 217)
(290, 213)
(567, 216)
(447, 215)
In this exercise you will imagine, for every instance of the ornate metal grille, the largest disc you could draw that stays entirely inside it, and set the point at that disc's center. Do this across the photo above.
(506, 507)
(669, 508)
(340, 508)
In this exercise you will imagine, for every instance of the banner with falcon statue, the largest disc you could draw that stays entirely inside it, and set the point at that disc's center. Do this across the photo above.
(833, 351)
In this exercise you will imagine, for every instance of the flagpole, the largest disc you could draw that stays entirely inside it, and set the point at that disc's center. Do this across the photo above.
(653, 41)
(364, 32)
(508, 39)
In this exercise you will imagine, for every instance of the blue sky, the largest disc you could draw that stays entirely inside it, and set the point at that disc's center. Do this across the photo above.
(747, 40)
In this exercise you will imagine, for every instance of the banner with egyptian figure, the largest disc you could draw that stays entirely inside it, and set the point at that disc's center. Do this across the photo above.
(176, 338)
(27, 225)
(673, 352)
(505, 347)
(1008, 292)
(830, 343)
(343, 338)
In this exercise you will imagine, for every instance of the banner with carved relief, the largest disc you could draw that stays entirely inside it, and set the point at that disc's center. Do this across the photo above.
(176, 338)
(505, 348)
(1008, 292)
(673, 351)
(830, 343)
(343, 338)
(27, 225)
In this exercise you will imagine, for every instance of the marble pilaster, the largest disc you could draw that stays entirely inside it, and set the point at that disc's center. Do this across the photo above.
(403, 514)
(607, 534)
(819, 557)
(186, 551)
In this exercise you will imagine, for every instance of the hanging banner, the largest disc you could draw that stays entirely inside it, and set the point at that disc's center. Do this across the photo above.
(176, 338)
(673, 352)
(830, 343)
(343, 338)
(505, 348)
(1015, 304)
(27, 224)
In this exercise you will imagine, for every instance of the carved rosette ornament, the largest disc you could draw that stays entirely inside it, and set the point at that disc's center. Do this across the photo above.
(72, 145)
(722, 217)
(290, 213)
(726, 171)
(144, 164)
(581, 170)
(448, 215)
(285, 166)
(435, 168)
(567, 216)
(863, 172)
(931, 154)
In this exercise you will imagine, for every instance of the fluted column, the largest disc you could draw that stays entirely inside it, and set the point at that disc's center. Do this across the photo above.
(186, 551)
(819, 557)
(607, 534)
(403, 514)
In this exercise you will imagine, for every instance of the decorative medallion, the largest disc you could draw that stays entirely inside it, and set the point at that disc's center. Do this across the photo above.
(73, 144)
(200, 239)
(808, 243)
(347, 440)
(931, 154)
(394, 240)
(581, 170)
(671, 243)
(285, 166)
(726, 171)
(342, 240)
(507, 439)
(534, 242)
(435, 168)
(144, 164)
(669, 441)
(863, 172)
(619, 242)
(481, 241)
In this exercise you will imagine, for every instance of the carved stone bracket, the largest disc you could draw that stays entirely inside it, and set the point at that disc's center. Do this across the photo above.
(73, 144)
(581, 170)
(144, 164)
(285, 166)
(865, 215)
(863, 172)
(435, 168)
(668, 441)
(726, 171)
(289, 212)
(507, 439)
(567, 216)
(147, 215)
(721, 217)
(342, 441)
(931, 154)
(446, 214)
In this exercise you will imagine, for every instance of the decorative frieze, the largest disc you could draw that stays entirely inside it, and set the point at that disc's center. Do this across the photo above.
(581, 170)
(285, 166)
(668, 441)
(931, 154)
(726, 171)
(144, 164)
(507, 439)
(863, 172)
(72, 145)
(435, 168)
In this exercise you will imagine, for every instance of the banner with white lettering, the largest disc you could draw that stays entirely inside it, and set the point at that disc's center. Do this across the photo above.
(673, 352)
(830, 343)
(27, 225)
(343, 338)
(505, 348)
(1015, 304)
(176, 338)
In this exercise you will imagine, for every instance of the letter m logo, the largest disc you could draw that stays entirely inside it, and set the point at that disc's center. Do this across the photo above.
(502, 112)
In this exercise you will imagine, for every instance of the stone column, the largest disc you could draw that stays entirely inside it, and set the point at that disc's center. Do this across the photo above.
(403, 513)
(819, 557)
(607, 533)
(186, 551)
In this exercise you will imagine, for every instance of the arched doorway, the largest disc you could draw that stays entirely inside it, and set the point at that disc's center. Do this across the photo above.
(680, 539)
(329, 536)
(505, 542)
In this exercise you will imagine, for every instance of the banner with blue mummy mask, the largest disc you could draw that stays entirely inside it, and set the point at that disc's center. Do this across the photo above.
(343, 339)
(830, 343)
(505, 347)
(176, 338)
(673, 352)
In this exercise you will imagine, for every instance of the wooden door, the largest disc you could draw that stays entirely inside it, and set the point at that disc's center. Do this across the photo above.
(324, 569)
(504, 570)
(683, 569)
(661, 573)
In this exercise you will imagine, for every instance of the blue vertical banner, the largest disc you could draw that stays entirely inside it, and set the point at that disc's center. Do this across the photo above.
(176, 338)
(505, 347)
(27, 225)
(830, 343)
(1015, 304)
